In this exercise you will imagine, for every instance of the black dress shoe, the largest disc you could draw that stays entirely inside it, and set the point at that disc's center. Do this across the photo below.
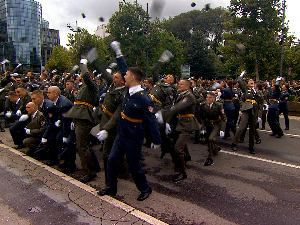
(20, 146)
(69, 170)
(181, 176)
(258, 141)
(52, 163)
(88, 178)
(233, 147)
(209, 161)
(107, 191)
(251, 150)
(144, 195)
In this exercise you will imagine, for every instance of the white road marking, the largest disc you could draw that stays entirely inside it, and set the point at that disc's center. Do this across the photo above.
(261, 159)
(285, 134)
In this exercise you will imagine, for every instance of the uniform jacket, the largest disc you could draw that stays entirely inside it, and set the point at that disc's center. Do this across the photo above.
(184, 105)
(283, 103)
(12, 107)
(50, 112)
(24, 101)
(249, 93)
(274, 97)
(63, 106)
(227, 96)
(212, 115)
(88, 94)
(138, 106)
(37, 125)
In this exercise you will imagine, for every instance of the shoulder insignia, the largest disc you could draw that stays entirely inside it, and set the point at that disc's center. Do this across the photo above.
(185, 100)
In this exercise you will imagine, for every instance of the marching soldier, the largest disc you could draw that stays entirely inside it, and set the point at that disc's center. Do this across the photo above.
(184, 109)
(284, 106)
(251, 108)
(213, 119)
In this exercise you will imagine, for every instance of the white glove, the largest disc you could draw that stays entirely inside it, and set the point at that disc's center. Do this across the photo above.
(102, 135)
(18, 113)
(236, 95)
(268, 84)
(222, 134)
(116, 47)
(159, 117)
(84, 61)
(92, 55)
(168, 129)
(265, 107)
(278, 79)
(8, 114)
(259, 120)
(72, 126)
(165, 57)
(65, 140)
(94, 109)
(27, 131)
(4, 61)
(75, 67)
(58, 123)
(112, 65)
(242, 74)
(203, 132)
(23, 118)
(44, 140)
(154, 146)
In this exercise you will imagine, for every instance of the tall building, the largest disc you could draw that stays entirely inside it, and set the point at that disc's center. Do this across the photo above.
(101, 31)
(50, 39)
(20, 27)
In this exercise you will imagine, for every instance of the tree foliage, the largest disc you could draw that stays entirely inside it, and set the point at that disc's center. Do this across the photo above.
(59, 60)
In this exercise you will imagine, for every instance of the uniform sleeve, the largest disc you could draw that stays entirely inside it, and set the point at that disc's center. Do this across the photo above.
(223, 118)
(41, 130)
(151, 122)
(52, 118)
(179, 107)
(86, 77)
(122, 65)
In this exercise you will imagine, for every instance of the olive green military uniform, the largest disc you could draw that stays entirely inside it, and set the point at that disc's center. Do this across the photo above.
(82, 115)
(184, 109)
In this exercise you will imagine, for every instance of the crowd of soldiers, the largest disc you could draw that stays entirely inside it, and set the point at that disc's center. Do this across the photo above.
(52, 116)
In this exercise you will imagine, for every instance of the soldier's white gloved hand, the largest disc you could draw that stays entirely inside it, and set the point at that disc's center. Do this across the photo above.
(102, 135)
(58, 123)
(236, 95)
(268, 84)
(165, 56)
(203, 132)
(92, 55)
(112, 65)
(94, 109)
(84, 61)
(23, 118)
(116, 47)
(278, 79)
(168, 129)
(27, 131)
(242, 74)
(8, 114)
(259, 120)
(265, 107)
(72, 126)
(44, 140)
(154, 146)
(18, 113)
(159, 117)
(222, 134)
(65, 140)
(75, 67)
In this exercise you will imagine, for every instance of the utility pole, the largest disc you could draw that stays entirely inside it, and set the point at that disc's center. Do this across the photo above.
(282, 40)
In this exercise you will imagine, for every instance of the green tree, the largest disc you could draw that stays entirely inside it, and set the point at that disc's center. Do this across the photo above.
(251, 28)
(60, 60)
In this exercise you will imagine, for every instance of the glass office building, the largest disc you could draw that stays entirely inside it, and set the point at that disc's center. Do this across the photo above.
(20, 27)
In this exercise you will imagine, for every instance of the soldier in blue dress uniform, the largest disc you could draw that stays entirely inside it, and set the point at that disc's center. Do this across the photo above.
(137, 107)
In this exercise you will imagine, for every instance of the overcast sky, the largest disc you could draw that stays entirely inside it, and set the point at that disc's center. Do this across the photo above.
(59, 13)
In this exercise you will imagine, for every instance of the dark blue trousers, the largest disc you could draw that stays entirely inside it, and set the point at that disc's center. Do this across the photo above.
(273, 121)
(17, 131)
(132, 150)
(230, 123)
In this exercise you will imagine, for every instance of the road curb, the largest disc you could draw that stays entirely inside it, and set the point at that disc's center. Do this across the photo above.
(116, 203)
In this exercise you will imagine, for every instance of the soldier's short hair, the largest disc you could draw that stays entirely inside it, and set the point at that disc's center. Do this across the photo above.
(187, 81)
(12, 94)
(20, 86)
(137, 73)
(37, 92)
(211, 93)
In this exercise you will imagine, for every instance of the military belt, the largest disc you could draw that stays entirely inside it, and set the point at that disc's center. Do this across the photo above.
(274, 100)
(106, 111)
(155, 99)
(214, 121)
(251, 100)
(83, 103)
(130, 119)
(186, 115)
(228, 100)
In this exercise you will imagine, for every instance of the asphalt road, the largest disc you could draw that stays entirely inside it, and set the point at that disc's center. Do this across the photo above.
(239, 188)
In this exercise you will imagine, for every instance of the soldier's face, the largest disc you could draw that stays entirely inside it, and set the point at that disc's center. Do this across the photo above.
(118, 80)
(182, 86)
(129, 78)
(210, 99)
(69, 86)
(36, 99)
(30, 108)
(169, 79)
(284, 88)
(52, 95)
(20, 92)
